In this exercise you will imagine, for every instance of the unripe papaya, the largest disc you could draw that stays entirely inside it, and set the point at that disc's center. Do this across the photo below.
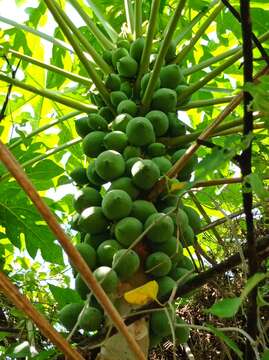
(82, 126)
(182, 333)
(126, 88)
(171, 76)
(127, 67)
(86, 197)
(107, 278)
(116, 140)
(69, 314)
(107, 56)
(81, 287)
(145, 174)
(159, 323)
(159, 121)
(145, 81)
(125, 184)
(88, 253)
(110, 165)
(131, 152)
(140, 131)
(163, 164)
(166, 286)
(136, 49)
(120, 122)
(116, 97)
(171, 52)
(165, 100)
(117, 54)
(158, 264)
(127, 107)
(156, 149)
(129, 164)
(106, 113)
(116, 204)
(127, 230)
(92, 144)
(142, 209)
(79, 176)
(176, 127)
(97, 122)
(93, 177)
(123, 43)
(126, 263)
(106, 251)
(180, 91)
(113, 82)
(91, 320)
(93, 221)
(194, 219)
(162, 229)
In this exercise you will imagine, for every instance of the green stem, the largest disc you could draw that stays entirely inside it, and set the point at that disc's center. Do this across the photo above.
(77, 78)
(213, 89)
(161, 56)
(138, 18)
(182, 33)
(109, 29)
(91, 71)
(50, 95)
(201, 31)
(35, 32)
(238, 130)
(105, 68)
(129, 13)
(41, 157)
(103, 40)
(43, 128)
(148, 43)
(208, 102)
(186, 139)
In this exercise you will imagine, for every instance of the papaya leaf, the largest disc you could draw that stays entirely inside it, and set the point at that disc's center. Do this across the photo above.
(64, 296)
(225, 308)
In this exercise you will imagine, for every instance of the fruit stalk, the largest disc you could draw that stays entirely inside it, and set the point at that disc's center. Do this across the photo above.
(138, 19)
(129, 13)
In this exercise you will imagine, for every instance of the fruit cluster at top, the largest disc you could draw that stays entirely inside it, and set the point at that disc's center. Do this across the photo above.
(121, 232)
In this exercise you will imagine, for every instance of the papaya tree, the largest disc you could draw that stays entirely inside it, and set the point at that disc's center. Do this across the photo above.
(134, 180)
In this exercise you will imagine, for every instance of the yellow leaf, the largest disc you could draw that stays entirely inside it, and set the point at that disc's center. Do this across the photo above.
(143, 294)
(177, 186)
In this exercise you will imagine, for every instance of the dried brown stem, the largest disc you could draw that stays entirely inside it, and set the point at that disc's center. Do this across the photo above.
(13, 166)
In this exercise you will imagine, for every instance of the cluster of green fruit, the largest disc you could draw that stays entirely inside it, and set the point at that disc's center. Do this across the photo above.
(126, 159)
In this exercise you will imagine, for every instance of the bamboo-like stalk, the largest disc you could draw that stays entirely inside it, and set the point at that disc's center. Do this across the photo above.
(43, 128)
(138, 18)
(91, 71)
(161, 56)
(38, 33)
(23, 304)
(238, 130)
(129, 13)
(74, 77)
(200, 32)
(44, 156)
(214, 182)
(107, 26)
(148, 43)
(105, 68)
(204, 103)
(75, 104)
(182, 34)
(103, 40)
(13, 166)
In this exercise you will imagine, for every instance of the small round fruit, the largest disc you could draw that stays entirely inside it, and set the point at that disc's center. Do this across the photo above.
(123, 43)
(110, 165)
(182, 219)
(145, 81)
(126, 88)
(187, 236)
(107, 278)
(125, 184)
(113, 82)
(129, 164)
(181, 91)
(131, 152)
(97, 122)
(156, 149)
(136, 49)
(159, 323)
(127, 107)
(159, 121)
(177, 273)
(169, 247)
(145, 174)
(163, 164)
(165, 100)
(82, 126)
(116, 140)
(79, 176)
(176, 127)
(166, 286)
(182, 333)
(107, 56)
(171, 52)
(91, 319)
(127, 67)
(92, 144)
(127, 230)
(93, 221)
(142, 209)
(120, 122)
(194, 219)
(125, 263)
(161, 227)
(116, 97)
(106, 251)
(116, 204)
(88, 253)
(117, 54)
(158, 264)
(92, 175)
(81, 287)
(97, 239)
(69, 314)
(106, 113)
(86, 197)
(171, 76)
(140, 131)
(186, 263)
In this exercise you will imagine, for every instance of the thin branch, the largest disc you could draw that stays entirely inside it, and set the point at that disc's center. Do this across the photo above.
(129, 13)
(203, 103)
(245, 165)
(13, 166)
(254, 37)
(103, 40)
(75, 104)
(22, 303)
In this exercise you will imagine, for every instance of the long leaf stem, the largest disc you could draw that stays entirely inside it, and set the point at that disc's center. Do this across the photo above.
(138, 18)
(91, 71)
(161, 56)
(200, 32)
(149, 39)
(74, 77)
(44, 128)
(129, 13)
(107, 26)
(38, 33)
(75, 104)
(105, 68)
(103, 40)
(204, 103)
